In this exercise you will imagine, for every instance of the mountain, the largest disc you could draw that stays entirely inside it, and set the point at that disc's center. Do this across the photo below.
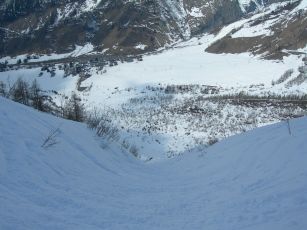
(120, 27)
(276, 32)
(256, 180)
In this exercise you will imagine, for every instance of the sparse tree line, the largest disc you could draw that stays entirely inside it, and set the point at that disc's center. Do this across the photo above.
(25, 93)
(71, 108)
(101, 122)
(245, 96)
(104, 126)
(200, 114)
(181, 89)
(32, 95)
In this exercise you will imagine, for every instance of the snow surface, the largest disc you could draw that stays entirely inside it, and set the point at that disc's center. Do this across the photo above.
(90, 5)
(265, 28)
(244, 4)
(58, 83)
(186, 65)
(302, 5)
(141, 46)
(78, 51)
(252, 181)
(196, 12)
(258, 30)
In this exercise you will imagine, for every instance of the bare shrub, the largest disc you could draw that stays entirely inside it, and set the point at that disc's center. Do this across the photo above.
(107, 130)
(93, 118)
(51, 138)
(289, 127)
(125, 144)
(134, 150)
(212, 141)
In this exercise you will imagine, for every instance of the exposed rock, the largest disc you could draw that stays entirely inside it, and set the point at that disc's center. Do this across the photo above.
(286, 33)
(117, 27)
(212, 14)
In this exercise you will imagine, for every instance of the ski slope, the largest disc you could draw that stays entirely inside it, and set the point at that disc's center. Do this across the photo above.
(256, 180)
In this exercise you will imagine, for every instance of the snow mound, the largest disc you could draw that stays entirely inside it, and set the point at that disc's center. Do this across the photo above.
(252, 181)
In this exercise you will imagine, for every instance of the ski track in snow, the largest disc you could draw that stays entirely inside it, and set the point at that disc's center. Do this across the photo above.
(252, 181)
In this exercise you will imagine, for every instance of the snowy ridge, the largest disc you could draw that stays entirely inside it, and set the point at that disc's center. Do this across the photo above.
(266, 28)
(302, 5)
(252, 181)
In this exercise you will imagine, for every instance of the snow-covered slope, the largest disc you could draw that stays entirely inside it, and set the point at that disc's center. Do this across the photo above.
(252, 181)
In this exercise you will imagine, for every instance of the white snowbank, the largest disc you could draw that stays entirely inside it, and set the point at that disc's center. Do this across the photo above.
(196, 12)
(252, 181)
(302, 5)
(141, 46)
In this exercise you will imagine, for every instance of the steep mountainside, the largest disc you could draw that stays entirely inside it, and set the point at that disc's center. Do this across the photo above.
(278, 31)
(121, 26)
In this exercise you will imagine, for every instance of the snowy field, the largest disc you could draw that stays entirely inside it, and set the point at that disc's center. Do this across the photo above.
(252, 181)
(187, 63)
(192, 65)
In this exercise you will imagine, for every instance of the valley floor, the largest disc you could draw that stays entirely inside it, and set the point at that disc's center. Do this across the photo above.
(256, 180)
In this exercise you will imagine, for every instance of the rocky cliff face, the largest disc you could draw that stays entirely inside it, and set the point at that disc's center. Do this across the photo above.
(57, 26)
(205, 16)
(118, 27)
